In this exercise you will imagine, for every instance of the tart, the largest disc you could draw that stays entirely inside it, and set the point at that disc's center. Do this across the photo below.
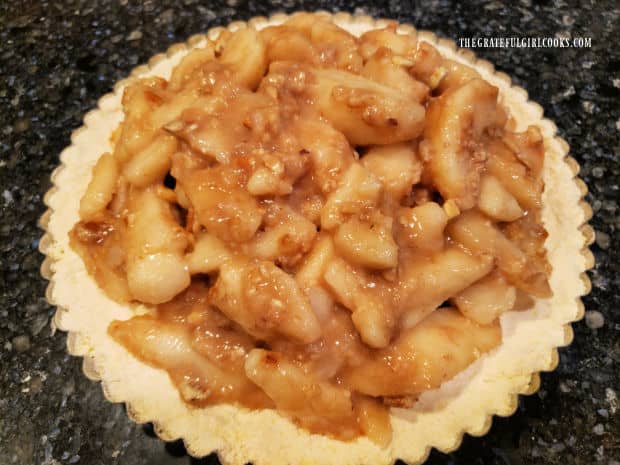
(316, 239)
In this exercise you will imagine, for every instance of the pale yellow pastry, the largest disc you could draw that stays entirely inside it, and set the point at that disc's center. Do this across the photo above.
(372, 245)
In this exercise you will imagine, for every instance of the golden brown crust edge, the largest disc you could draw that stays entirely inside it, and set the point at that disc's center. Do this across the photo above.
(561, 176)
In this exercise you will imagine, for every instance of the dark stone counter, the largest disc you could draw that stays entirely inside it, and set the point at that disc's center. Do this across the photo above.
(57, 58)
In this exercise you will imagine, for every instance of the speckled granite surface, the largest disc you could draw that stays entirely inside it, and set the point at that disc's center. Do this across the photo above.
(56, 59)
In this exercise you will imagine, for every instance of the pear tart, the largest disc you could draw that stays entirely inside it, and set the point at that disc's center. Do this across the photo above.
(317, 239)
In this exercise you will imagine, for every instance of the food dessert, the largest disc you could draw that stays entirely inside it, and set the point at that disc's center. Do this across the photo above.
(297, 204)
(332, 227)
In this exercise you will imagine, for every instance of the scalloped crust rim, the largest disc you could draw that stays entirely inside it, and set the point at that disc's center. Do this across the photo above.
(439, 419)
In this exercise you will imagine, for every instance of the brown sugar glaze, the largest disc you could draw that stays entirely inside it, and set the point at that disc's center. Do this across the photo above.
(323, 224)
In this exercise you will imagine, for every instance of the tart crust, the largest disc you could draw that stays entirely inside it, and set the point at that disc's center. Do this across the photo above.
(465, 404)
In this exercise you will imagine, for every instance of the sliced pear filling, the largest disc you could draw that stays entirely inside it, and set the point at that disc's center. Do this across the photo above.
(297, 205)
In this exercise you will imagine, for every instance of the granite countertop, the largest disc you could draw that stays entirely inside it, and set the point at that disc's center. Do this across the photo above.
(57, 57)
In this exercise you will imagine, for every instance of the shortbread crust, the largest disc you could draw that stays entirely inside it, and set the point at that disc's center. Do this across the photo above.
(440, 417)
